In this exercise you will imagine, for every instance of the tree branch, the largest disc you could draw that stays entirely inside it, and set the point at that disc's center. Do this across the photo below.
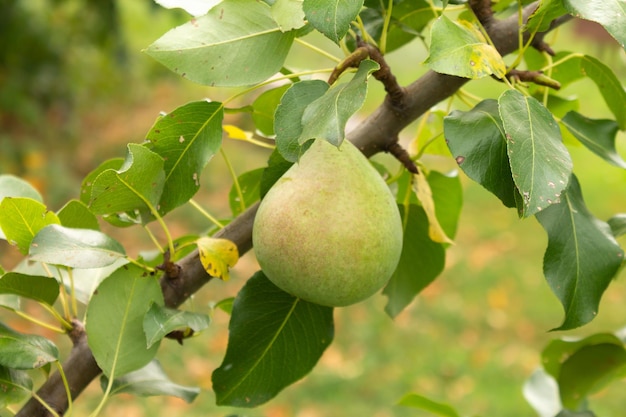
(375, 134)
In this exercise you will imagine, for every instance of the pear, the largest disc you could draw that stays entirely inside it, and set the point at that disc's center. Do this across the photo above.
(329, 231)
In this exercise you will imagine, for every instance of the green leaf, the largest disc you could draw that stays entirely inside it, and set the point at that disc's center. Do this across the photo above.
(581, 259)
(574, 66)
(15, 386)
(582, 367)
(559, 350)
(236, 43)
(422, 403)
(597, 135)
(226, 305)
(546, 12)
(477, 141)
(611, 14)
(447, 193)
(87, 184)
(159, 321)
(590, 369)
(131, 194)
(288, 116)
(617, 224)
(217, 256)
(76, 248)
(264, 107)
(332, 17)
(288, 14)
(419, 253)
(21, 218)
(274, 340)
(186, 139)
(540, 163)
(12, 186)
(76, 214)
(609, 86)
(115, 317)
(459, 49)
(42, 289)
(250, 185)
(326, 117)
(149, 381)
(22, 351)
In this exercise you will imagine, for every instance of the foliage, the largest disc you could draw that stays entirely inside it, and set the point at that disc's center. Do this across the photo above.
(513, 144)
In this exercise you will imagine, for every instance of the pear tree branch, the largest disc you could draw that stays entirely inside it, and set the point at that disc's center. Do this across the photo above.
(377, 133)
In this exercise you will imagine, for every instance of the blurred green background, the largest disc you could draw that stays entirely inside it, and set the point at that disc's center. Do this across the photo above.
(75, 88)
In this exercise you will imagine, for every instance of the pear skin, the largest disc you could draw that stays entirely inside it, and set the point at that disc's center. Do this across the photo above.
(329, 231)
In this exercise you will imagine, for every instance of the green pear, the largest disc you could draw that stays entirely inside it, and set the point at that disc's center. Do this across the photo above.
(329, 230)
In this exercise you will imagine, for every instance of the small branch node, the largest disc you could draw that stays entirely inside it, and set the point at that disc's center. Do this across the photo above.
(171, 269)
(536, 77)
(77, 332)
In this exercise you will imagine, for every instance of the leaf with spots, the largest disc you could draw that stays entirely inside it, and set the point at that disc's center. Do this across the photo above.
(186, 139)
(582, 256)
(16, 386)
(24, 351)
(459, 49)
(540, 163)
(217, 256)
(477, 142)
(237, 43)
(274, 340)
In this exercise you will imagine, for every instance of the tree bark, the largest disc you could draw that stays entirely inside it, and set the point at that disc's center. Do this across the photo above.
(374, 134)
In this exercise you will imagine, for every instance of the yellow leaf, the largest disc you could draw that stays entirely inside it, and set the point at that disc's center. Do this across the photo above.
(425, 196)
(217, 255)
(235, 133)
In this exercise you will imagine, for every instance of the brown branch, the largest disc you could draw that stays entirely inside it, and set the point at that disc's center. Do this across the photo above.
(375, 134)
(403, 156)
(483, 11)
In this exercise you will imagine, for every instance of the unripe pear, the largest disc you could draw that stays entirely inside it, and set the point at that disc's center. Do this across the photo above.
(329, 230)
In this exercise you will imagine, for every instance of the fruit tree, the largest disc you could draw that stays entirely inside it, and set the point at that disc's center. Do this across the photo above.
(329, 227)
